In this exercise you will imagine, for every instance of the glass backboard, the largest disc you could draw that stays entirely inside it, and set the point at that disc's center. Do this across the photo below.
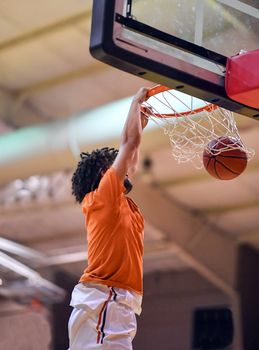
(183, 44)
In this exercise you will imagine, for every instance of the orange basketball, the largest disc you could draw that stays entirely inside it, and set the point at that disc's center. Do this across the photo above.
(226, 164)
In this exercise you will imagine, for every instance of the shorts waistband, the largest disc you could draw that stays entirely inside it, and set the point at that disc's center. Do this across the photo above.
(90, 295)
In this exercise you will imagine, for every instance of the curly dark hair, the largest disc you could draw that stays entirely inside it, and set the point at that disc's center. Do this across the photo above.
(87, 175)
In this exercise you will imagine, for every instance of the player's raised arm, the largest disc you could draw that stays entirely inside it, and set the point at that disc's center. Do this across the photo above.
(136, 121)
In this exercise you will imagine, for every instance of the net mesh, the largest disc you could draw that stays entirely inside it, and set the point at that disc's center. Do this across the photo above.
(191, 124)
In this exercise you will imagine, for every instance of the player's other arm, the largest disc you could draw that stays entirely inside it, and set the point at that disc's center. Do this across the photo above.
(127, 158)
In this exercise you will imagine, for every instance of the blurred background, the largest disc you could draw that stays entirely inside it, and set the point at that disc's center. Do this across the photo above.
(201, 236)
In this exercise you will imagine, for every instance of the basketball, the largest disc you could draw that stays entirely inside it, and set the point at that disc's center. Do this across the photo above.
(222, 161)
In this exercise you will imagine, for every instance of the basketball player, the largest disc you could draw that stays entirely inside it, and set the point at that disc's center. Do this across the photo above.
(109, 293)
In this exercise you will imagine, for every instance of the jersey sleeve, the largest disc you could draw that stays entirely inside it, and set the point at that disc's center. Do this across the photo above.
(107, 194)
(110, 187)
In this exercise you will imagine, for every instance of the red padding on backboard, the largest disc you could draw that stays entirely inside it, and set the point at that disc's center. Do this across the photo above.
(242, 78)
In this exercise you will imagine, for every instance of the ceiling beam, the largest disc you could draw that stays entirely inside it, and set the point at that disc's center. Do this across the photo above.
(158, 248)
(207, 248)
(224, 209)
(20, 250)
(33, 207)
(88, 70)
(23, 95)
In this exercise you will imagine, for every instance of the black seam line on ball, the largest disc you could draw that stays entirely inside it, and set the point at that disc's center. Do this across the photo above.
(215, 169)
(236, 157)
(233, 172)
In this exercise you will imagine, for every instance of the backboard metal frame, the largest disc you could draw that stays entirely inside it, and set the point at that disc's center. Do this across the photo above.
(110, 19)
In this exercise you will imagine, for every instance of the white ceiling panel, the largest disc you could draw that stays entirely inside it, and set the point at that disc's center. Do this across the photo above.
(239, 221)
(42, 223)
(30, 14)
(29, 64)
(8, 28)
(215, 193)
(70, 44)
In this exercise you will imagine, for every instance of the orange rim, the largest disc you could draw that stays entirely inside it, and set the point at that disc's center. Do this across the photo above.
(157, 90)
(160, 88)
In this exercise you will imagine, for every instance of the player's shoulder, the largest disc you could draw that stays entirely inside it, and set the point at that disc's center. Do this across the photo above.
(89, 199)
(112, 178)
(111, 189)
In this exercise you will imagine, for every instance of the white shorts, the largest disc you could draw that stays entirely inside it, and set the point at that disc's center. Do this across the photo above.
(103, 317)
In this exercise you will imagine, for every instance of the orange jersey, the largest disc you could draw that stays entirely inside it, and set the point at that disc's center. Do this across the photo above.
(115, 232)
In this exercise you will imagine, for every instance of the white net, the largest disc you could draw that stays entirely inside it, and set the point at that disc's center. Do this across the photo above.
(191, 124)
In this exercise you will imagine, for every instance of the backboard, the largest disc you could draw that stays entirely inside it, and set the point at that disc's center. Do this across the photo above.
(182, 44)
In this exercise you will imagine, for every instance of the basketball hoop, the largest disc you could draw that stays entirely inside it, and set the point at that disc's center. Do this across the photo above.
(191, 123)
